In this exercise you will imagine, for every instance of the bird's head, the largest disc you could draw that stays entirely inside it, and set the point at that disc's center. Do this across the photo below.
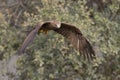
(57, 24)
(51, 25)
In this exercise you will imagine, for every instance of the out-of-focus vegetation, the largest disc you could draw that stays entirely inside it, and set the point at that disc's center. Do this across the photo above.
(51, 57)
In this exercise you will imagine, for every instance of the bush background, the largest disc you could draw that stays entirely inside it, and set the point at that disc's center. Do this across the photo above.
(51, 57)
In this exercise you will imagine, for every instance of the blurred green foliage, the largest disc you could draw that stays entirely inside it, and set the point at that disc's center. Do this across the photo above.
(51, 57)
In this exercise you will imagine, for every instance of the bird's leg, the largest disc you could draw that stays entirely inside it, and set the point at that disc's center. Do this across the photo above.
(45, 31)
(41, 30)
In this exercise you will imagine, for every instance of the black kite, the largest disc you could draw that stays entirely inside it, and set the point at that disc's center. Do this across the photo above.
(72, 33)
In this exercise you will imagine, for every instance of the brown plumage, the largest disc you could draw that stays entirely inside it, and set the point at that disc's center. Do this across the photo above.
(72, 33)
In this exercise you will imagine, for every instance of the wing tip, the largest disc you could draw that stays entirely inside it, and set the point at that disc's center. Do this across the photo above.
(87, 49)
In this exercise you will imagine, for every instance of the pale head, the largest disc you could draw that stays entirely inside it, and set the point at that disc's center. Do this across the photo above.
(57, 23)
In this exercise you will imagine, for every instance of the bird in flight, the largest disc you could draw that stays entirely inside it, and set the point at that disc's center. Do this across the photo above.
(72, 33)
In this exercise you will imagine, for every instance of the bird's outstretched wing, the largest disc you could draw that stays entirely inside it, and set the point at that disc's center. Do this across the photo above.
(29, 39)
(75, 37)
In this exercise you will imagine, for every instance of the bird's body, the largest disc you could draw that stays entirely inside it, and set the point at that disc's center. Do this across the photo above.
(70, 32)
